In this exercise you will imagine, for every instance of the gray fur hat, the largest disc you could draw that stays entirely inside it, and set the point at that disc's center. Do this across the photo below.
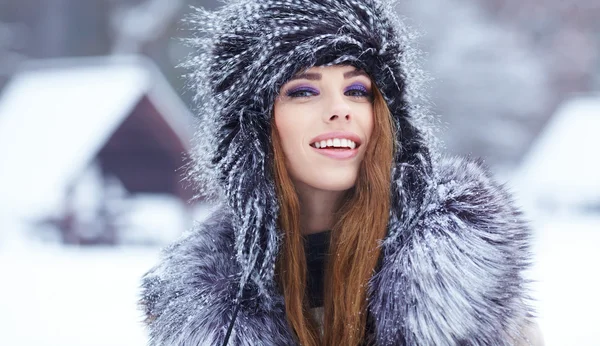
(244, 52)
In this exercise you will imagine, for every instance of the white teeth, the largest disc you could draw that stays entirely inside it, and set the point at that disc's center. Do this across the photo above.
(335, 143)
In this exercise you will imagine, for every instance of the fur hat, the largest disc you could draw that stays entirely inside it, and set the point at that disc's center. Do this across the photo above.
(244, 52)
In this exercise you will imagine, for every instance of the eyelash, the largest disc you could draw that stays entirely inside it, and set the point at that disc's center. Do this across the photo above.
(301, 92)
(298, 91)
(364, 92)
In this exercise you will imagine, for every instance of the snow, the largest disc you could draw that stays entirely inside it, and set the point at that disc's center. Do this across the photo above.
(74, 296)
(153, 219)
(566, 258)
(52, 295)
(56, 295)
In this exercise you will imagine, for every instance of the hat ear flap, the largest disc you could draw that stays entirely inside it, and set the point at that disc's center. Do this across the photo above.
(242, 158)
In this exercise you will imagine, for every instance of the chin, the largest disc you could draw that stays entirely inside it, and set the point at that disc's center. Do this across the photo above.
(334, 183)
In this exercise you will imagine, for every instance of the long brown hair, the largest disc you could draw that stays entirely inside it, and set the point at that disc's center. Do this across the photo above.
(354, 245)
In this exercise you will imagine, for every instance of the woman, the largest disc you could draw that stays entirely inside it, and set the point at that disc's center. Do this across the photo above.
(338, 222)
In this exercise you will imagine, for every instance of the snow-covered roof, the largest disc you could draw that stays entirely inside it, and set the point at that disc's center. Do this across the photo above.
(564, 159)
(55, 115)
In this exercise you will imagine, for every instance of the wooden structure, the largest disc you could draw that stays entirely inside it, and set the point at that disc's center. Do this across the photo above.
(60, 117)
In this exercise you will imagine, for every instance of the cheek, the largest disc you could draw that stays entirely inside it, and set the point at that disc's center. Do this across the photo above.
(294, 124)
(291, 127)
(366, 119)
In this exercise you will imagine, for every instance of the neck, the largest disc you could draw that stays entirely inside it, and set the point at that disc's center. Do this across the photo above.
(317, 208)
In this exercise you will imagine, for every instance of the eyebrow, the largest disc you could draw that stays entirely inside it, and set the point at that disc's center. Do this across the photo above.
(317, 76)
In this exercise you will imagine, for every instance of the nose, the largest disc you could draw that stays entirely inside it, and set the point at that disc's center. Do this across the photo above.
(339, 110)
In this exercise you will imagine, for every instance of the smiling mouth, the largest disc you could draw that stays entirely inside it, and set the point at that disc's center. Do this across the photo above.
(337, 153)
(336, 144)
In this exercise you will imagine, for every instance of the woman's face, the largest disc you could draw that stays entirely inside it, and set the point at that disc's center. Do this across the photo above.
(324, 117)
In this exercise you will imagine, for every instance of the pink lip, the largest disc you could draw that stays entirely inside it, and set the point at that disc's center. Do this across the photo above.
(338, 154)
(337, 134)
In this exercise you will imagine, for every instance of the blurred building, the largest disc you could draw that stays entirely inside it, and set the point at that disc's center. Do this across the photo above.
(558, 187)
(560, 174)
(95, 147)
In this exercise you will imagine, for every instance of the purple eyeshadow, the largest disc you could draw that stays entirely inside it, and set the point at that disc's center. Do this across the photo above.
(358, 86)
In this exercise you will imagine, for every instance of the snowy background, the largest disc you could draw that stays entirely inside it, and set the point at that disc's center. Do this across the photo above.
(515, 83)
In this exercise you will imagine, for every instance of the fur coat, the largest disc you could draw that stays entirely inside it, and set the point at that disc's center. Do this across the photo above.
(451, 276)
(452, 261)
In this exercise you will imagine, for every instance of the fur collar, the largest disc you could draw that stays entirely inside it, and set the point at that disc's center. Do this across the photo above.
(451, 274)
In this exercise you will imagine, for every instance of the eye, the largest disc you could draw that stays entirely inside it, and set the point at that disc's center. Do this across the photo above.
(302, 92)
(359, 91)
